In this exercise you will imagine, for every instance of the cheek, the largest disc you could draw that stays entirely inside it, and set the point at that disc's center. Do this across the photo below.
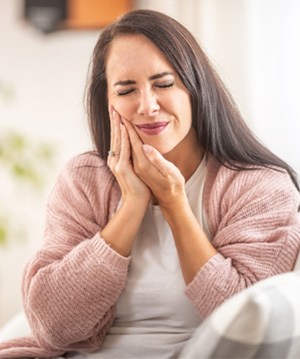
(187, 109)
(183, 109)
(124, 107)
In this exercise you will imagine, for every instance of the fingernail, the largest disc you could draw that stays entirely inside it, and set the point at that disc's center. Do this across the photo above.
(147, 148)
(114, 114)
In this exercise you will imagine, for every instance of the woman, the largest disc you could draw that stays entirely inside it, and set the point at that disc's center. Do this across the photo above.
(178, 209)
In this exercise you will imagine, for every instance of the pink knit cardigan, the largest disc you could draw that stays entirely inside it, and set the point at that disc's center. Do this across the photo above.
(71, 285)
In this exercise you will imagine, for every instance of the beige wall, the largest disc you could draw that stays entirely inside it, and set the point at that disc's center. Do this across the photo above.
(47, 75)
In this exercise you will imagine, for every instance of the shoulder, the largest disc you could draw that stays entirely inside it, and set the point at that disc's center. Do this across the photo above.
(86, 167)
(85, 175)
(237, 182)
(85, 184)
(247, 193)
(85, 160)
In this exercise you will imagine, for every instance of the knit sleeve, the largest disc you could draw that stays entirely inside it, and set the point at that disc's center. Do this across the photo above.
(256, 231)
(71, 285)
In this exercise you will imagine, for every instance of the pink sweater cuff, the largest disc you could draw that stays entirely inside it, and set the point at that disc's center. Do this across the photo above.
(105, 254)
(199, 289)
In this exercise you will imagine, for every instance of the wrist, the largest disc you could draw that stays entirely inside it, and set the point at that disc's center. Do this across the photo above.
(174, 209)
(121, 230)
(135, 202)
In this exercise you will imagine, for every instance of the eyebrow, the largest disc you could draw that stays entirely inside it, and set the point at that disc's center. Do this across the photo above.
(151, 78)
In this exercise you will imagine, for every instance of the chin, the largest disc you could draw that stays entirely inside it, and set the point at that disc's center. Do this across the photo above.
(163, 150)
(161, 146)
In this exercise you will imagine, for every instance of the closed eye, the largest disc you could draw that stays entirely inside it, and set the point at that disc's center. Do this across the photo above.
(125, 92)
(159, 85)
(165, 85)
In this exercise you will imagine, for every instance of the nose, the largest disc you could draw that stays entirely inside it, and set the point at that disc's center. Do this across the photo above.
(148, 104)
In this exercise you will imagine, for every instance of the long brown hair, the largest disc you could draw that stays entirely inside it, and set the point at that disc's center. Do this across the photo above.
(220, 127)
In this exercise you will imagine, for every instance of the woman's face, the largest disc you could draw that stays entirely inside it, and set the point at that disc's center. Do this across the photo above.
(144, 89)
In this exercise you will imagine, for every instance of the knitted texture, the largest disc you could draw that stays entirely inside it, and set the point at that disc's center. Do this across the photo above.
(71, 285)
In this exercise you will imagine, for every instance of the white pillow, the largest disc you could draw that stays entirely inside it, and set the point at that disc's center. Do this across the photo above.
(297, 265)
(18, 326)
(262, 321)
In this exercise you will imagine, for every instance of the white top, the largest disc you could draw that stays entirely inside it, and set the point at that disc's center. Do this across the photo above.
(154, 318)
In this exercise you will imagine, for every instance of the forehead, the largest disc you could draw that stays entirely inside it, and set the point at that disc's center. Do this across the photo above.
(135, 53)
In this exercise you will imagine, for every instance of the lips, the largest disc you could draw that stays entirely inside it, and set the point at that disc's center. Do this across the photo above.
(152, 128)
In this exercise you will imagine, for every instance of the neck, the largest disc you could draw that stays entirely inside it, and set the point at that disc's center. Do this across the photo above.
(187, 155)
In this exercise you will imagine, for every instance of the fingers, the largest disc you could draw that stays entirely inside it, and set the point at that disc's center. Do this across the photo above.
(165, 167)
(115, 137)
(119, 144)
(125, 145)
(136, 143)
(142, 154)
(111, 118)
(140, 168)
(115, 131)
(133, 136)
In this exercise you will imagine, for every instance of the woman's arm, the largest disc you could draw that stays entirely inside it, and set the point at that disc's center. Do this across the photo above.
(167, 184)
(193, 247)
(256, 230)
(71, 286)
(72, 283)
(257, 233)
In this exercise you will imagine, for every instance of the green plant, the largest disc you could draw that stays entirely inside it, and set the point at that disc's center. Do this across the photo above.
(23, 162)
(7, 92)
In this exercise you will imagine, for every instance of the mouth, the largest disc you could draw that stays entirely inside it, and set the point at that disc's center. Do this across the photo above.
(153, 128)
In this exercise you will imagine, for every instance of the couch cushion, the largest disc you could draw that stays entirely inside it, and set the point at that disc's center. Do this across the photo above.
(262, 321)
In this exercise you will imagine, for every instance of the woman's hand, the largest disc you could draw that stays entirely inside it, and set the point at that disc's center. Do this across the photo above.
(120, 162)
(167, 184)
(120, 232)
(162, 177)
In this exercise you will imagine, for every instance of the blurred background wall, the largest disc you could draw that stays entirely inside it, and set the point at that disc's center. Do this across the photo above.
(254, 44)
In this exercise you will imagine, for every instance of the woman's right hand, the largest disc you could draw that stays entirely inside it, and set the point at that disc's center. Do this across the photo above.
(120, 232)
(120, 163)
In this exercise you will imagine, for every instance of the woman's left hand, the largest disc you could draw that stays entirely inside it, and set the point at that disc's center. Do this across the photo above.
(167, 184)
(163, 178)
